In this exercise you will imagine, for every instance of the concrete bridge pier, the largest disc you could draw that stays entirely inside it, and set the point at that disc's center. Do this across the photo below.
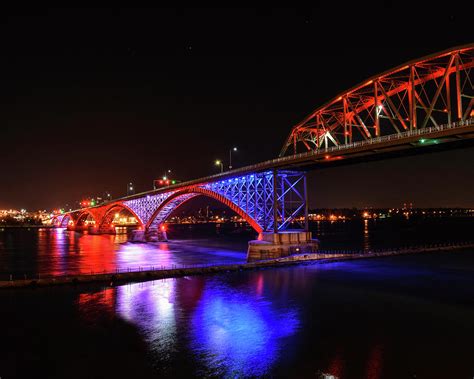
(282, 244)
(157, 234)
(149, 235)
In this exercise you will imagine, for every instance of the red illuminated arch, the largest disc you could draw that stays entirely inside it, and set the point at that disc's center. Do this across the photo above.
(108, 214)
(196, 191)
(83, 216)
(433, 90)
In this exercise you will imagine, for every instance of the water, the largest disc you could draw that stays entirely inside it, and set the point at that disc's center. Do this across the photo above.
(33, 252)
(398, 317)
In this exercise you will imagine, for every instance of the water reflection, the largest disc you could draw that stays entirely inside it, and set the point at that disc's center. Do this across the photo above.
(60, 252)
(151, 307)
(289, 322)
(366, 243)
(374, 363)
(93, 305)
(336, 365)
(237, 332)
(231, 330)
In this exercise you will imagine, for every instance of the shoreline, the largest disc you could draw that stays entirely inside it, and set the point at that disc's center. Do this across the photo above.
(26, 226)
(123, 277)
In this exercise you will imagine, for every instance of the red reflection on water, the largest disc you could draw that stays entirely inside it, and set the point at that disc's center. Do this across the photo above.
(51, 250)
(93, 305)
(260, 284)
(97, 254)
(374, 363)
(336, 366)
(189, 291)
(105, 298)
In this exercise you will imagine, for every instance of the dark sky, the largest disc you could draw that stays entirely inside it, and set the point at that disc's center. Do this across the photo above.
(91, 99)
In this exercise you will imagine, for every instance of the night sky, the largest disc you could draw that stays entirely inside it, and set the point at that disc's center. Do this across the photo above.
(91, 99)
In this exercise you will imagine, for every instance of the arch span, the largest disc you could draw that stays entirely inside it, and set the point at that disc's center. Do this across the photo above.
(82, 217)
(426, 92)
(56, 220)
(180, 197)
(65, 221)
(108, 214)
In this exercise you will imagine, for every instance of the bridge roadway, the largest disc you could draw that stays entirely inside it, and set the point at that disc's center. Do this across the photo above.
(271, 195)
(405, 110)
(456, 135)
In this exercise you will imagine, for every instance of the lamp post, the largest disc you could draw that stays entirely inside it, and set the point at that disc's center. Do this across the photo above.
(165, 176)
(219, 163)
(130, 190)
(230, 157)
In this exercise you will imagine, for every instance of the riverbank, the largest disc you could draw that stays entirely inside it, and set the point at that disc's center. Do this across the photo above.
(120, 277)
(26, 227)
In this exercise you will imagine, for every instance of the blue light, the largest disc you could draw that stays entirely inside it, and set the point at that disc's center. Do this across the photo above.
(239, 333)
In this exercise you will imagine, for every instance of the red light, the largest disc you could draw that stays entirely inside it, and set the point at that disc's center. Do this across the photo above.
(327, 156)
(163, 228)
(161, 181)
(167, 182)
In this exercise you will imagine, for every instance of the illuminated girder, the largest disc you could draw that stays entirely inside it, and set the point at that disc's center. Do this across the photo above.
(274, 199)
(423, 93)
(268, 201)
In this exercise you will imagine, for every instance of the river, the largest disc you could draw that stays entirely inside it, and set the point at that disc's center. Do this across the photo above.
(397, 317)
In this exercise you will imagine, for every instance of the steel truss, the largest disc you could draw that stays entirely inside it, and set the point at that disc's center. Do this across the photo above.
(144, 207)
(276, 199)
(269, 201)
(427, 92)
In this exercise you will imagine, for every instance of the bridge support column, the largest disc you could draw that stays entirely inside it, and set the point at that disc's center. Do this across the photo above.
(149, 235)
(283, 244)
(156, 234)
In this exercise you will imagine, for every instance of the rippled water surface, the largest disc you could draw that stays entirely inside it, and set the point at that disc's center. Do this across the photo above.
(398, 317)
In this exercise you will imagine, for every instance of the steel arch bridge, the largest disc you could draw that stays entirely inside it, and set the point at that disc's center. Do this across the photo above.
(268, 201)
(421, 105)
(428, 92)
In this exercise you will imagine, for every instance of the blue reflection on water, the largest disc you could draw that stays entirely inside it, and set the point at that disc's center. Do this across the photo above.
(238, 333)
(233, 331)
(151, 307)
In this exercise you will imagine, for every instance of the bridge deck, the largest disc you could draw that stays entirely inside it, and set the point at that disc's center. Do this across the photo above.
(443, 137)
(457, 134)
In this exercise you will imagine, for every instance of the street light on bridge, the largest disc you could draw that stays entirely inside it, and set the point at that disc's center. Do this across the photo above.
(219, 163)
(165, 176)
(130, 189)
(230, 157)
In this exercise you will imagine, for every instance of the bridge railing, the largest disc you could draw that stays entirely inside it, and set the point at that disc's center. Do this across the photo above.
(375, 140)
(390, 137)
(322, 151)
(402, 135)
(174, 267)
